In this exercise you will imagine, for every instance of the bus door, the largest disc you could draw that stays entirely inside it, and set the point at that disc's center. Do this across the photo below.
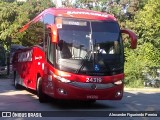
(49, 47)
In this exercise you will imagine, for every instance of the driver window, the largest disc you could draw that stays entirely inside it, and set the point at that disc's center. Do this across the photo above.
(49, 49)
(65, 51)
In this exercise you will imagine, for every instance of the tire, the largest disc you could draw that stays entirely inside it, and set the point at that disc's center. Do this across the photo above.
(42, 97)
(15, 79)
(88, 102)
(91, 101)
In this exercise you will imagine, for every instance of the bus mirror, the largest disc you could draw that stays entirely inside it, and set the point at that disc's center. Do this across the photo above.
(54, 33)
(132, 36)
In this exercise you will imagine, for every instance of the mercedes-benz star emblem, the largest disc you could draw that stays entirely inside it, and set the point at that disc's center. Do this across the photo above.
(93, 86)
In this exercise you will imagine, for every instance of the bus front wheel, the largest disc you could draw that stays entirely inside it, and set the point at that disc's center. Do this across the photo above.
(42, 97)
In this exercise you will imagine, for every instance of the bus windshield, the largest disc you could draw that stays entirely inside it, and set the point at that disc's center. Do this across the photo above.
(89, 46)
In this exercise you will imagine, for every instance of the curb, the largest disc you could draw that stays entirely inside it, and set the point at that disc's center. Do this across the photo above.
(147, 89)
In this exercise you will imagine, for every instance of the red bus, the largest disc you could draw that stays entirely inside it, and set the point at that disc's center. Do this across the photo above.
(80, 56)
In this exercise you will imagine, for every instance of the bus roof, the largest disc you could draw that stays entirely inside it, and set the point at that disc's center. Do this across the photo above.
(73, 13)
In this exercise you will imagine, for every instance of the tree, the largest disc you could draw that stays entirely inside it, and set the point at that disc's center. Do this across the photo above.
(13, 15)
(8, 26)
(146, 24)
(27, 12)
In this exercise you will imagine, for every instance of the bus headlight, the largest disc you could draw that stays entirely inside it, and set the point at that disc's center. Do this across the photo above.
(119, 82)
(61, 79)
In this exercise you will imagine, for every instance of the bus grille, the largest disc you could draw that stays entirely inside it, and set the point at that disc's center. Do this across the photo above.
(91, 85)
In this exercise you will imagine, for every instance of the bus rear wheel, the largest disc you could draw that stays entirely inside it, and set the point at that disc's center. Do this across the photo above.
(90, 101)
(15, 79)
(42, 97)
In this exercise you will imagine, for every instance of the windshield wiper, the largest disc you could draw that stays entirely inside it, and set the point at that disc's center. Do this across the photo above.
(87, 56)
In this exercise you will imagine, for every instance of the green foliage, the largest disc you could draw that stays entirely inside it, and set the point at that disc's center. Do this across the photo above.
(142, 3)
(27, 12)
(147, 26)
(136, 83)
(32, 33)
(13, 15)
(137, 60)
(8, 25)
(148, 23)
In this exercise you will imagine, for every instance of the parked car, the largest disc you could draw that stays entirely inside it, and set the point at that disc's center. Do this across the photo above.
(152, 81)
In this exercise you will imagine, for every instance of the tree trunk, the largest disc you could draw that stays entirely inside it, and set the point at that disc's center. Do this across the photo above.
(8, 39)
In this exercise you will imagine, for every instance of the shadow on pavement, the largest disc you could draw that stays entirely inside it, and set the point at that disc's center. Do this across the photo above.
(25, 99)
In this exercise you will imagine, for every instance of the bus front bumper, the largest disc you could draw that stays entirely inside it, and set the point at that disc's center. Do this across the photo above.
(87, 91)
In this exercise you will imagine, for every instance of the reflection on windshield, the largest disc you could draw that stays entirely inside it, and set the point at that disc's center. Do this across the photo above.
(76, 41)
(77, 46)
(70, 51)
(108, 48)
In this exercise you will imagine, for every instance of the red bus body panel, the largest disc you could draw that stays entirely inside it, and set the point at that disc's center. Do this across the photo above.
(80, 92)
(28, 63)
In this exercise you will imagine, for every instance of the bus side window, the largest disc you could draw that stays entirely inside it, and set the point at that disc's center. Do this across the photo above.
(35, 34)
(48, 19)
(47, 35)
(50, 47)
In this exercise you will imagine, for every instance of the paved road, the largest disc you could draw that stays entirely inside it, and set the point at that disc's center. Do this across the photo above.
(26, 100)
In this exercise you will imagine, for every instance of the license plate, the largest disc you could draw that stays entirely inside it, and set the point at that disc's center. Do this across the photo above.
(92, 96)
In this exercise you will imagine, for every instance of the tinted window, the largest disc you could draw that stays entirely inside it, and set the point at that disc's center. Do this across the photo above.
(74, 34)
(50, 50)
(49, 19)
(35, 34)
(105, 31)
